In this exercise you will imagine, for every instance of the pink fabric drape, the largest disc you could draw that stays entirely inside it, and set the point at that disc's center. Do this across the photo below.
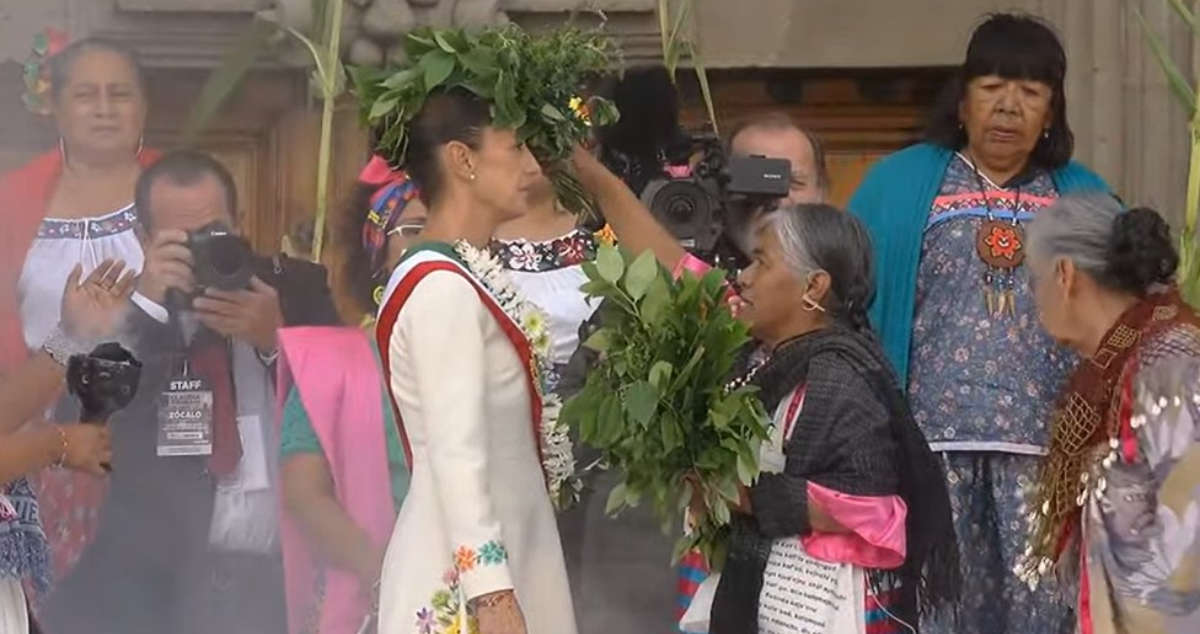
(340, 386)
(876, 524)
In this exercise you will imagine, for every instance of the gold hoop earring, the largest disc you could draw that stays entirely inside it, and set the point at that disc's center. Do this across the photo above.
(810, 305)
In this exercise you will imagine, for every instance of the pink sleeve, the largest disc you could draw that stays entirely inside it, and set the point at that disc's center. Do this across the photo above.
(876, 523)
(698, 267)
(692, 264)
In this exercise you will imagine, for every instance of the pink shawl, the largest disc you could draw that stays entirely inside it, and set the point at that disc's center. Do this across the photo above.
(339, 381)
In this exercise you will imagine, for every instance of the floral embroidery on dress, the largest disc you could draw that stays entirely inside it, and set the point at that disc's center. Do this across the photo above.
(110, 225)
(558, 458)
(492, 553)
(445, 613)
(576, 247)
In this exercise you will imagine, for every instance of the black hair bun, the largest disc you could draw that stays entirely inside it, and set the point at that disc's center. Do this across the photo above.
(1140, 251)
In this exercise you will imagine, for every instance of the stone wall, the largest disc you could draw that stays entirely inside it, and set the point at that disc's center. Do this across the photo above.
(1126, 123)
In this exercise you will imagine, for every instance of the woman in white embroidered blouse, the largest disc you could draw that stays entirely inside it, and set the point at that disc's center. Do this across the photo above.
(72, 206)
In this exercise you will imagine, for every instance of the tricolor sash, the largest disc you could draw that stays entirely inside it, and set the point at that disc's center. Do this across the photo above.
(419, 262)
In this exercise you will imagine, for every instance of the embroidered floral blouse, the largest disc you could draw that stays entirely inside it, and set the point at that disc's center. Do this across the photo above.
(549, 274)
(979, 382)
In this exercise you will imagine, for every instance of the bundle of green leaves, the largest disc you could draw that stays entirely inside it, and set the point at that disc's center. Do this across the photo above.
(658, 405)
(535, 84)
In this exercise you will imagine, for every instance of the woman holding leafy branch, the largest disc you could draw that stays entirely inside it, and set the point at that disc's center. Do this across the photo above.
(474, 549)
(847, 477)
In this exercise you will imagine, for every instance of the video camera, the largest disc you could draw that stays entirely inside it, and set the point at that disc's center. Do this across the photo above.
(704, 196)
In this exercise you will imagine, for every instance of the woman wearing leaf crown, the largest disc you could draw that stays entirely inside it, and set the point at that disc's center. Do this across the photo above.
(473, 548)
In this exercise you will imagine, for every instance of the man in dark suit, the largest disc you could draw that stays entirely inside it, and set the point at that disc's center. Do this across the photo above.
(189, 538)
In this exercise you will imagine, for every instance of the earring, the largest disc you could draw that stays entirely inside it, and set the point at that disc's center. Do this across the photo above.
(62, 149)
(810, 305)
(471, 176)
(141, 146)
(1046, 133)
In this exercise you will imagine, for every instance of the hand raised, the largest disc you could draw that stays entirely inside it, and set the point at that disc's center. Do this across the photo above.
(96, 308)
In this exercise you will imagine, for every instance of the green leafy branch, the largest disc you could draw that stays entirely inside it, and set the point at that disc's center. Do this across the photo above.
(1185, 92)
(657, 405)
(533, 82)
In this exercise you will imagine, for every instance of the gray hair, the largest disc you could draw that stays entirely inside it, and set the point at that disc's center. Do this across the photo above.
(1128, 251)
(819, 237)
(789, 231)
(1076, 227)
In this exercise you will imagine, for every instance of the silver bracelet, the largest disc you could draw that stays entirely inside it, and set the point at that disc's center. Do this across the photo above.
(61, 346)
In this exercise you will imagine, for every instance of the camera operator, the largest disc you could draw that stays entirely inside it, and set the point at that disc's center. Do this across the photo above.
(189, 542)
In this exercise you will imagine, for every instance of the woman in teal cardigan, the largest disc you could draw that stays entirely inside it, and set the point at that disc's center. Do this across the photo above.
(952, 305)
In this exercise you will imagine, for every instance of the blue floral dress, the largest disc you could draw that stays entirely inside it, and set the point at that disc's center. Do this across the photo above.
(982, 387)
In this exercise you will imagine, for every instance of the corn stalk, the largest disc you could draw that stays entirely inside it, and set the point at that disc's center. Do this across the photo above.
(1185, 91)
(676, 44)
(327, 81)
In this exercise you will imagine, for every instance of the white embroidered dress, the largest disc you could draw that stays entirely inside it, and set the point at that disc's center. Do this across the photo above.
(477, 518)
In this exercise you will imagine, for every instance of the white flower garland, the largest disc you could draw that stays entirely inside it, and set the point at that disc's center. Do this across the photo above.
(558, 457)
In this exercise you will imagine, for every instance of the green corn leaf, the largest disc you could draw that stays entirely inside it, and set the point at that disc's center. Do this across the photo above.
(1184, 12)
(1179, 84)
(224, 80)
(705, 89)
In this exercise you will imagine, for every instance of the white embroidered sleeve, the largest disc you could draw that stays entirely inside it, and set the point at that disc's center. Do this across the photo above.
(443, 324)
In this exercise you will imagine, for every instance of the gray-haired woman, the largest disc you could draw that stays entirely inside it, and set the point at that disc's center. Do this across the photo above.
(1118, 496)
(850, 490)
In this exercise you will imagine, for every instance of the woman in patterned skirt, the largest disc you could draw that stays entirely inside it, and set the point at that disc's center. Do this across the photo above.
(953, 308)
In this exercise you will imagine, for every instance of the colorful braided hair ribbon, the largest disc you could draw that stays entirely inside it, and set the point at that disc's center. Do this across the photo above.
(393, 191)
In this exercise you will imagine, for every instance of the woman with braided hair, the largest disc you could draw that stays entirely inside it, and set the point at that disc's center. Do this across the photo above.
(1117, 500)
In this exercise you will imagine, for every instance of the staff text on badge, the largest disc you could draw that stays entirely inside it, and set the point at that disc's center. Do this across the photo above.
(185, 414)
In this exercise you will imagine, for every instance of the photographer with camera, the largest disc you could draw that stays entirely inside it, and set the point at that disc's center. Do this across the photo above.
(191, 536)
(91, 311)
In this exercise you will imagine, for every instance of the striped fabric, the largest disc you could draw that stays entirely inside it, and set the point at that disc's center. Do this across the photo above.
(879, 607)
(692, 572)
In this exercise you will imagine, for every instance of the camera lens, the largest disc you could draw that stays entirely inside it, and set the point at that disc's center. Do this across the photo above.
(229, 255)
(680, 207)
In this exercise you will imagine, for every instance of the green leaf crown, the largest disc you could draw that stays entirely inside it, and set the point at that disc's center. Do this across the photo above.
(533, 83)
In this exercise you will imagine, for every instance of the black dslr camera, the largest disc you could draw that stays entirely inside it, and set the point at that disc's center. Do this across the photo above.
(221, 259)
(716, 199)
